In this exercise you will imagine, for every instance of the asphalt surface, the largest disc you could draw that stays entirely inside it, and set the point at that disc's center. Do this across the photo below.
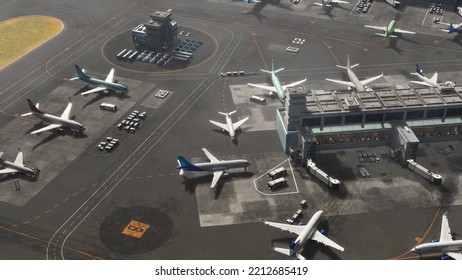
(84, 201)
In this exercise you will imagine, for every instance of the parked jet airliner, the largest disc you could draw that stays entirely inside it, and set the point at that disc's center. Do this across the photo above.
(305, 233)
(56, 122)
(354, 81)
(429, 82)
(453, 28)
(217, 167)
(229, 125)
(390, 30)
(102, 85)
(277, 88)
(17, 166)
(445, 245)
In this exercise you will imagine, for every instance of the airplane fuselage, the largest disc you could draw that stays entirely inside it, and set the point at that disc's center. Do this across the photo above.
(57, 120)
(277, 84)
(222, 165)
(438, 247)
(390, 28)
(109, 85)
(21, 169)
(231, 129)
(354, 79)
(307, 232)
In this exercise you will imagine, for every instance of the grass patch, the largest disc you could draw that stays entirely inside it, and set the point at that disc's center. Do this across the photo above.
(19, 36)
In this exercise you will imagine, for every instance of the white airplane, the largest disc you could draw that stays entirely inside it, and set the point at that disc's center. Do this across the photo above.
(218, 167)
(429, 82)
(445, 245)
(453, 28)
(277, 88)
(388, 31)
(328, 3)
(229, 125)
(305, 233)
(354, 81)
(102, 85)
(17, 166)
(56, 122)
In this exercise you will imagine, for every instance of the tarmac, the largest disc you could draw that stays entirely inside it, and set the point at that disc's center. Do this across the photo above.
(132, 204)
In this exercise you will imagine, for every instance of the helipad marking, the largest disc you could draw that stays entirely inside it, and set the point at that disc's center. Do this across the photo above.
(135, 229)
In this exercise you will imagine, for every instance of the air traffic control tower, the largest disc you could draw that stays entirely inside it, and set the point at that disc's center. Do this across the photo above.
(157, 33)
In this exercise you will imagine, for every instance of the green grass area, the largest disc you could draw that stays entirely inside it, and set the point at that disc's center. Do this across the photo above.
(18, 36)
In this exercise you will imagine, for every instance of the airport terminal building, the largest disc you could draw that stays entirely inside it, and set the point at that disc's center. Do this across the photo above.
(400, 118)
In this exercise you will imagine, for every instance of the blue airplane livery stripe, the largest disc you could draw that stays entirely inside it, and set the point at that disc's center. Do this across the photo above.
(184, 164)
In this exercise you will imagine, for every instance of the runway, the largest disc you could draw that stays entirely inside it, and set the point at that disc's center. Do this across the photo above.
(86, 203)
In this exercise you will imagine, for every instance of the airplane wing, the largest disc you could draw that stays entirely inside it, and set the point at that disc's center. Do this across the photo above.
(445, 234)
(397, 30)
(97, 89)
(211, 157)
(273, 89)
(216, 177)
(454, 255)
(110, 76)
(350, 84)
(293, 84)
(382, 28)
(67, 112)
(8, 170)
(319, 237)
(434, 78)
(221, 125)
(290, 228)
(19, 159)
(237, 124)
(46, 128)
(422, 83)
(340, 2)
(370, 80)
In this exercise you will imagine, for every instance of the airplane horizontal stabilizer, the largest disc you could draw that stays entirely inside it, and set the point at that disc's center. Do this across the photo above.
(454, 255)
(284, 251)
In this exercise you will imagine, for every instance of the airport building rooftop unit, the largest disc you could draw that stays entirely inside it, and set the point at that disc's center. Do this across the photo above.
(157, 33)
(351, 119)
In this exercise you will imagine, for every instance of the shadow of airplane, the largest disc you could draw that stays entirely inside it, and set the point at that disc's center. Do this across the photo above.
(258, 7)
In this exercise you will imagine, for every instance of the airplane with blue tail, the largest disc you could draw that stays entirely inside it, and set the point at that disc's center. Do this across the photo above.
(452, 28)
(104, 86)
(215, 166)
(305, 233)
(429, 82)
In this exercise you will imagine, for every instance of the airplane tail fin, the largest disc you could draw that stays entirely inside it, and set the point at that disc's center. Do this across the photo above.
(1, 154)
(183, 164)
(80, 73)
(451, 28)
(418, 70)
(33, 108)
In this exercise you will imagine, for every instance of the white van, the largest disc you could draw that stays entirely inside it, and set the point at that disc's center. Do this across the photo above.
(108, 106)
(274, 184)
(276, 173)
(258, 99)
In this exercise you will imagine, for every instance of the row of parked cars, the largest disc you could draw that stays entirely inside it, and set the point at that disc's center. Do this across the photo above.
(363, 6)
(436, 8)
(108, 145)
(132, 122)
